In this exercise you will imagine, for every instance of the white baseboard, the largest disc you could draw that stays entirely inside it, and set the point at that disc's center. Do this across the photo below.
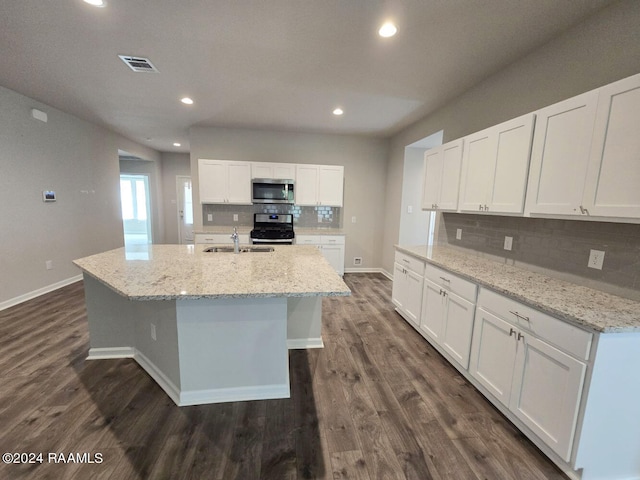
(41, 291)
(103, 353)
(194, 397)
(239, 394)
(304, 343)
(362, 270)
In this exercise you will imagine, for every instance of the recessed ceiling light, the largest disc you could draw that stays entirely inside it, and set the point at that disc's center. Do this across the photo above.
(96, 3)
(176, 144)
(387, 30)
(338, 111)
(187, 101)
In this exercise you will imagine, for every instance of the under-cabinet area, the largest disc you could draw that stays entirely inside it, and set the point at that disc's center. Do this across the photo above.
(549, 354)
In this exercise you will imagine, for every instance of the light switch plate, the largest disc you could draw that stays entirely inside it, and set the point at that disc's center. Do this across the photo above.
(596, 259)
(459, 234)
(508, 243)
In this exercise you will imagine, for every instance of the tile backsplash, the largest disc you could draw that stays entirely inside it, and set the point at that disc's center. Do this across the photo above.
(304, 217)
(556, 247)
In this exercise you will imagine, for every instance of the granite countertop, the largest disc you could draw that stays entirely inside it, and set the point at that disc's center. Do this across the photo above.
(297, 230)
(582, 306)
(164, 272)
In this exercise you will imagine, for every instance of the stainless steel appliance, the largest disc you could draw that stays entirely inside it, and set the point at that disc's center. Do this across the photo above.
(272, 228)
(269, 190)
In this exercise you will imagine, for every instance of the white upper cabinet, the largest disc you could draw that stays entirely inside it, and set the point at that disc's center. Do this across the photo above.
(285, 171)
(442, 177)
(560, 156)
(495, 166)
(223, 181)
(613, 179)
(319, 185)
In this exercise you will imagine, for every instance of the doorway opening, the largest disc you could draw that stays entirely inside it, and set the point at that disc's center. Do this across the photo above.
(185, 209)
(136, 209)
(417, 227)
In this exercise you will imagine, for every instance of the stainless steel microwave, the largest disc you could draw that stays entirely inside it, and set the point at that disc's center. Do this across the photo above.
(269, 190)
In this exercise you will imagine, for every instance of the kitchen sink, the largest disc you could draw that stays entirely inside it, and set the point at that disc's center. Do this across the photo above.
(229, 249)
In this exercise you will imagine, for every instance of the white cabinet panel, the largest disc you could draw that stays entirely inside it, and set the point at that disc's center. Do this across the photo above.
(493, 353)
(560, 155)
(286, 171)
(613, 181)
(442, 177)
(222, 181)
(331, 246)
(458, 329)
(478, 166)
(320, 185)
(546, 392)
(433, 310)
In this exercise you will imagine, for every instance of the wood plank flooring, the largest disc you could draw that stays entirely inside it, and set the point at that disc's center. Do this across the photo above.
(376, 403)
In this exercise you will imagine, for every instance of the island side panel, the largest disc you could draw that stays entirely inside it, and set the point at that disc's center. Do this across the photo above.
(156, 341)
(609, 445)
(232, 349)
(304, 322)
(111, 321)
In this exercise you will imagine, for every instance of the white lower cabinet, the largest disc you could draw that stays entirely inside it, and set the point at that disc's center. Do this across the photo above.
(530, 373)
(447, 317)
(331, 246)
(407, 287)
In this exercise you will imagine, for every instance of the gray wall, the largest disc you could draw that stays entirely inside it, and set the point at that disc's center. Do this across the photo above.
(602, 49)
(364, 161)
(76, 159)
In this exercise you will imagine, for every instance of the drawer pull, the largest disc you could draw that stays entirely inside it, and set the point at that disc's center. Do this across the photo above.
(445, 279)
(526, 319)
(405, 260)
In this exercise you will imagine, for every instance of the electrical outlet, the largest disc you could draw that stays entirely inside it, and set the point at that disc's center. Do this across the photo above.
(459, 234)
(409, 209)
(508, 243)
(235, 217)
(209, 217)
(596, 259)
(153, 332)
(357, 261)
(353, 219)
(49, 264)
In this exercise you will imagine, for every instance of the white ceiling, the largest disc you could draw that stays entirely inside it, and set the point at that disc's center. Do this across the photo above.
(277, 64)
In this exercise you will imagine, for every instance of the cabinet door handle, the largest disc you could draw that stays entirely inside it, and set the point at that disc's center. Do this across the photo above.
(480, 207)
(486, 207)
(520, 336)
(526, 319)
(512, 331)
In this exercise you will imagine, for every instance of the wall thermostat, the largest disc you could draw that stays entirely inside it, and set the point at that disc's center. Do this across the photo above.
(48, 196)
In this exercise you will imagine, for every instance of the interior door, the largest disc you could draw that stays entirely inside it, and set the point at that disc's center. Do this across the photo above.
(184, 206)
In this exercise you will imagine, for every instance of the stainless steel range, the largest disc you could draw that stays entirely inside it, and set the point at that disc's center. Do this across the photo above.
(271, 228)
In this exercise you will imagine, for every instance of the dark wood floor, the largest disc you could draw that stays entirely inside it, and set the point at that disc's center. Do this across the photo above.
(377, 402)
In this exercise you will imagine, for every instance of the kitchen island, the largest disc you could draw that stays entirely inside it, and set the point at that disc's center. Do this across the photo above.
(208, 327)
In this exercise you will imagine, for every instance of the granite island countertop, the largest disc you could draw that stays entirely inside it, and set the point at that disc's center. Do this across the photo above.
(165, 272)
(586, 307)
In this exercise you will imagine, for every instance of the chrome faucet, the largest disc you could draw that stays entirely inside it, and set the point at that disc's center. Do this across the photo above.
(236, 240)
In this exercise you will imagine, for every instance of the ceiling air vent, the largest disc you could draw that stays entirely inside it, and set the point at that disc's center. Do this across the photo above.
(138, 64)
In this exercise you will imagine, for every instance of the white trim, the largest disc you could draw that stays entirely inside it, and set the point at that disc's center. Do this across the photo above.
(304, 343)
(104, 353)
(161, 379)
(363, 270)
(237, 394)
(41, 291)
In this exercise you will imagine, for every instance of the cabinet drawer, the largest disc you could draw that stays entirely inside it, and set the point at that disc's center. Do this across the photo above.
(308, 239)
(567, 337)
(409, 262)
(332, 239)
(457, 285)
(223, 238)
